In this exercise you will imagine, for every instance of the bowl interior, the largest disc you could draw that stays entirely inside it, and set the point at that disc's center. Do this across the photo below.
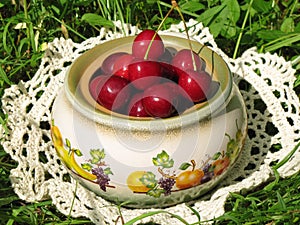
(83, 68)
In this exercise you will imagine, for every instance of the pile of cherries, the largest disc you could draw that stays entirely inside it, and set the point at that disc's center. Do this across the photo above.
(152, 81)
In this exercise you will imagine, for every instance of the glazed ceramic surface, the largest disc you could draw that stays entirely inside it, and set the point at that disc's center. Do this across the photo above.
(193, 150)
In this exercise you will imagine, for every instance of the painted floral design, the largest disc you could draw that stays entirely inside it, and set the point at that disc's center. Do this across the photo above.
(94, 170)
(186, 176)
(153, 183)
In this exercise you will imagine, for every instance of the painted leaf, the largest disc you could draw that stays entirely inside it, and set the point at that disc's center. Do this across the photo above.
(86, 166)
(216, 156)
(68, 143)
(97, 155)
(184, 166)
(148, 179)
(163, 160)
(77, 152)
(107, 171)
(155, 192)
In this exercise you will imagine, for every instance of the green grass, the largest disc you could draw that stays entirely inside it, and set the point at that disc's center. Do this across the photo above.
(271, 26)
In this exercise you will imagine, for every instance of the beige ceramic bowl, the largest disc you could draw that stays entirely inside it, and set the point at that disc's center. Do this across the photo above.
(131, 156)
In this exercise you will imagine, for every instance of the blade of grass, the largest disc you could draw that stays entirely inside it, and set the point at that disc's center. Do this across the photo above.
(70, 28)
(73, 222)
(278, 43)
(281, 201)
(275, 168)
(182, 10)
(287, 157)
(242, 30)
(161, 13)
(8, 200)
(34, 44)
(149, 214)
(5, 36)
(197, 214)
(26, 19)
(4, 77)
(104, 7)
(119, 10)
(73, 201)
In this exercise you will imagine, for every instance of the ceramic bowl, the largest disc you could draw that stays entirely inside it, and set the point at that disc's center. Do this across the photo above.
(129, 159)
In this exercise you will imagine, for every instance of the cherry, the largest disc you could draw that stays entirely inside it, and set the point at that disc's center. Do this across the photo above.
(168, 55)
(182, 100)
(144, 73)
(158, 100)
(141, 43)
(135, 106)
(113, 91)
(195, 84)
(166, 81)
(213, 89)
(120, 67)
(183, 60)
(93, 86)
(169, 71)
(109, 62)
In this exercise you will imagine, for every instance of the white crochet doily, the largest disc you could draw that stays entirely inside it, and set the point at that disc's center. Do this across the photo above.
(266, 83)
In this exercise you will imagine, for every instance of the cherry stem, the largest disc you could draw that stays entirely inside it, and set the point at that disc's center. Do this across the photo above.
(174, 6)
(174, 3)
(158, 28)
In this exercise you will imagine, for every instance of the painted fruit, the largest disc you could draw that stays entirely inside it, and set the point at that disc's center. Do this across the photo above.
(134, 183)
(220, 165)
(189, 179)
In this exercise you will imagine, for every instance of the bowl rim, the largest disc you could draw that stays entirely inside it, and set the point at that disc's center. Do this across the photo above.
(195, 114)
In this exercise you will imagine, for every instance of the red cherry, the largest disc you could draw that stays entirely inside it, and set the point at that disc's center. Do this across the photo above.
(114, 92)
(144, 74)
(135, 106)
(121, 66)
(93, 86)
(182, 101)
(169, 71)
(195, 84)
(168, 55)
(213, 89)
(109, 62)
(183, 60)
(158, 101)
(141, 43)
(174, 90)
